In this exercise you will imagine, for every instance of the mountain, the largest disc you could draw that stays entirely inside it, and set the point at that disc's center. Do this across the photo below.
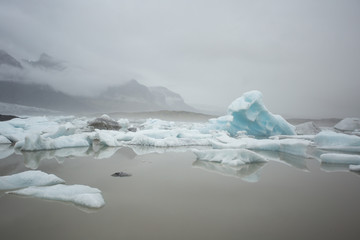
(46, 61)
(41, 96)
(138, 97)
(7, 59)
(17, 87)
(169, 100)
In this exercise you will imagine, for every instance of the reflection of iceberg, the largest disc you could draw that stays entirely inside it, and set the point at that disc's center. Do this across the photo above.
(247, 172)
(142, 150)
(80, 195)
(333, 167)
(33, 159)
(233, 157)
(288, 159)
(28, 178)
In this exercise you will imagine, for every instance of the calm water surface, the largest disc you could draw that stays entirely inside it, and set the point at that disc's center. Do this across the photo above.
(173, 196)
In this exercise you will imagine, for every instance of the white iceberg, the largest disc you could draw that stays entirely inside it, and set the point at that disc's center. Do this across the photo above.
(80, 195)
(36, 142)
(355, 168)
(307, 128)
(28, 178)
(348, 124)
(250, 114)
(339, 158)
(296, 147)
(4, 140)
(233, 157)
(337, 141)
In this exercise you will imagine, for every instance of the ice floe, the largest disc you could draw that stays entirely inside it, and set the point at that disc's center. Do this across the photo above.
(292, 146)
(355, 168)
(337, 141)
(348, 124)
(339, 158)
(80, 195)
(307, 128)
(4, 140)
(28, 178)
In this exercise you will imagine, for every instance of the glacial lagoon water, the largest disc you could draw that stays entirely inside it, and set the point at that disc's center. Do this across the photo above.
(171, 195)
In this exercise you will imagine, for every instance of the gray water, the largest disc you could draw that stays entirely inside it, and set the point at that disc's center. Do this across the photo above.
(171, 195)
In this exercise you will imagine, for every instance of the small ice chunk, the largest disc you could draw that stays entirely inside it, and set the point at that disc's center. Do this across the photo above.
(355, 168)
(80, 195)
(28, 178)
(348, 124)
(307, 128)
(233, 157)
(340, 158)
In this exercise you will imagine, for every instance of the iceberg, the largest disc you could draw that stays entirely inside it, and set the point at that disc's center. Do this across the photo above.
(250, 114)
(337, 141)
(296, 147)
(307, 128)
(340, 158)
(28, 178)
(355, 168)
(80, 195)
(232, 157)
(4, 140)
(348, 124)
(34, 142)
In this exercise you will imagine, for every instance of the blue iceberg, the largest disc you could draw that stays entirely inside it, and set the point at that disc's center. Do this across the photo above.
(248, 113)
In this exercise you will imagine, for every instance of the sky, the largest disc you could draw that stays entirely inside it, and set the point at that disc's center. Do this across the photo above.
(303, 55)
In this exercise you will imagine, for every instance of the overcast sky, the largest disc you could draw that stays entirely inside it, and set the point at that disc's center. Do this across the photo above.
(304, 56)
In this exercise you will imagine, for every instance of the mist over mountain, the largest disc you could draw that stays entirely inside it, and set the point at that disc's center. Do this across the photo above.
(46, 61)
(6, 59)
(39, 84)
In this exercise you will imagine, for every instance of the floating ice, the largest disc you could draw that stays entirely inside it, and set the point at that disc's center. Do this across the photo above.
(37, 142)
(28, 178)
(4, 140)
(307, 128)
(250, 115)
(355, 168)
(80, 195)
(337, 141)
(340, 158)
(233, 157)
(144, 140)
(296, 147)
(348, 124)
